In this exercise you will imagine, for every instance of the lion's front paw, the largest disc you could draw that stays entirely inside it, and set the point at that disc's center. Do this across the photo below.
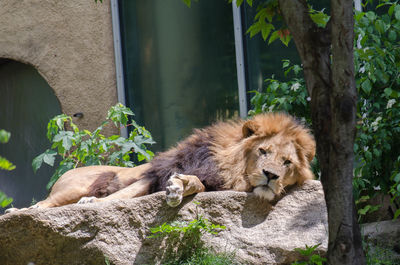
(85, 200)
(174, 193)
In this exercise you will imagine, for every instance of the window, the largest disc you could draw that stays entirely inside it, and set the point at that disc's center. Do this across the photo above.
(179, 65)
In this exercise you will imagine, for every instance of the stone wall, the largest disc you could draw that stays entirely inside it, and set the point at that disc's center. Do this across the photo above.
(70, 43)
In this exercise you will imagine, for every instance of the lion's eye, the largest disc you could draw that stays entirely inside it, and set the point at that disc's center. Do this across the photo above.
(287, 162)
(262, 151)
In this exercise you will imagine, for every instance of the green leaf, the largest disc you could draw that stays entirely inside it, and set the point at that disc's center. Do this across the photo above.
(285, 39)
(397, 12)
(4, 136)
(187, 2)
(392, 35)
(388, 91)
(380, 26)
(48, 157)
(254, 29)
(370, 15)
(368, 155)
(397, 178)
(396, 214)
(4, 200)
(119, 114)
(5, 164)
(239, 2)
(286, 63)
(319, 18)
(66, 138)
(266, 30)
(250, 2)
(391, 9)
(366, 86)
(274, 36)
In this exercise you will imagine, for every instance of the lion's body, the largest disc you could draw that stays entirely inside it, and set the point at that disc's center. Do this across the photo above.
(264, 155)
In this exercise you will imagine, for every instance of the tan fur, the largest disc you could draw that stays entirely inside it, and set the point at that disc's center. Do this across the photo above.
(240, 160)
(264, 154)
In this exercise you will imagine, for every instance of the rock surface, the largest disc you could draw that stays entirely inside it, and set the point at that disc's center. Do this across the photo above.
(257, 232)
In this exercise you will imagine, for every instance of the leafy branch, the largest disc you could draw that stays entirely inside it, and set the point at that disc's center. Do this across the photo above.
(5, 165)
(78, 148)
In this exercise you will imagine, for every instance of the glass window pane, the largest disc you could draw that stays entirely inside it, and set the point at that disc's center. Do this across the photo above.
(265, 60)
(180, 65)
(27, 103)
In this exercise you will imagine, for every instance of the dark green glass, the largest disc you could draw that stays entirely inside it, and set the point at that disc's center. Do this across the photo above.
(27, 103)
(179, 64)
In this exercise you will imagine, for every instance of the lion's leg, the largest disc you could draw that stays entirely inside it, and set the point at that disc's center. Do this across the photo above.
(179, 186)
(136, 189)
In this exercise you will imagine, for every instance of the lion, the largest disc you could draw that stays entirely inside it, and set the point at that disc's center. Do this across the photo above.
(263, 155)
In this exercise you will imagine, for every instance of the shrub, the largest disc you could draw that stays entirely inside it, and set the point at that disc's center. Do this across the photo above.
(84, 148)
(184, 245)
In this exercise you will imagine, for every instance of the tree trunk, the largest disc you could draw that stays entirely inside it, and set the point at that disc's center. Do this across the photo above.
(327, 57)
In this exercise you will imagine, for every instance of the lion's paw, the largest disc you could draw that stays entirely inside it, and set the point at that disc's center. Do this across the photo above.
(85, 200)
(174, 193)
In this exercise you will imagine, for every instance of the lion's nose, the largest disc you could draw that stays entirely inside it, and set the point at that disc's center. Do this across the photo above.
(270, 176)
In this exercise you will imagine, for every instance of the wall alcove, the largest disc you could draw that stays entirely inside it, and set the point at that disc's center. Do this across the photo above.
(27, 103)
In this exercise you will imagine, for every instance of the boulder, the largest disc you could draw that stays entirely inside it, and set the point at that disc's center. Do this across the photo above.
(256, 231)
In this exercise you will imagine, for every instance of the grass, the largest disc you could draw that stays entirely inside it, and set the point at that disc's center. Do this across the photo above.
(206, 256)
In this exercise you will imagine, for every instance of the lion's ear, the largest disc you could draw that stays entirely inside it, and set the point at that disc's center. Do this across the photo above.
(307, 145)
(249, 128)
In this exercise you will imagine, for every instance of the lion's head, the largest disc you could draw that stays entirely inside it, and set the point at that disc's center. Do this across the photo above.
(278, 151)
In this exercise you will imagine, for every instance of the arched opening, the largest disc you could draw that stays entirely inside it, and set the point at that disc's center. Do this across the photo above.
(27, 103)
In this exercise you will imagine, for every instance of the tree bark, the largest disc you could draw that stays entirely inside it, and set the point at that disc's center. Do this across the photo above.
(327, 57)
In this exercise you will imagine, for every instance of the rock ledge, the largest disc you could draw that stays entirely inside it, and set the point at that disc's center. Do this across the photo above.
(85, 234)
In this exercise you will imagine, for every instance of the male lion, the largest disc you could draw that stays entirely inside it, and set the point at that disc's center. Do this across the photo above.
(261, 155)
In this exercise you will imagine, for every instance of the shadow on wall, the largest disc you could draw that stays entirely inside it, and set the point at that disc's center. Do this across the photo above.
(27, 103)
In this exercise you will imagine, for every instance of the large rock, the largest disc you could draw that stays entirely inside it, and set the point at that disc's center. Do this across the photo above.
(85, 234)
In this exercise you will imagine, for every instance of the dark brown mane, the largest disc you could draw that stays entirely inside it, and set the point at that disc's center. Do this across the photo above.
(192, 156)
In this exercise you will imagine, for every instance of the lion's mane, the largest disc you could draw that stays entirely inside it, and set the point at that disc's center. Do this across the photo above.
(217, 154)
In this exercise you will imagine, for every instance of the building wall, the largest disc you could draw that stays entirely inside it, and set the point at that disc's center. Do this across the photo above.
(70, 43)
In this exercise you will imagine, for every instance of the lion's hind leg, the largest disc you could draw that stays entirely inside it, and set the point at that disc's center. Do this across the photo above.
(179, 186)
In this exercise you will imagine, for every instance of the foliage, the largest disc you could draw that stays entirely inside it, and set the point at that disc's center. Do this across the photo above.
(309, 253)
(5, 165)
(84, 148)
(184, 244)
(4, 200)
(377, 63)
(377, 253)
(364, 208)
(290, 96)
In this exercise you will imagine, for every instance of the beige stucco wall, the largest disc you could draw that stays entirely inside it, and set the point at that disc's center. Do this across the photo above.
(70, 43)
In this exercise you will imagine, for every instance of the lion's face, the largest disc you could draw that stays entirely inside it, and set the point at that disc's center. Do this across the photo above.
(278, 153)
(272, 166)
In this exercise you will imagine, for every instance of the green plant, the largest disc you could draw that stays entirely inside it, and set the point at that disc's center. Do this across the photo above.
(377, 62)
(309, 253)
(83, 148)
(5, 165)
(364, 208)
(184, 244)
(290, 96)
(395, 188)
(377, 253)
